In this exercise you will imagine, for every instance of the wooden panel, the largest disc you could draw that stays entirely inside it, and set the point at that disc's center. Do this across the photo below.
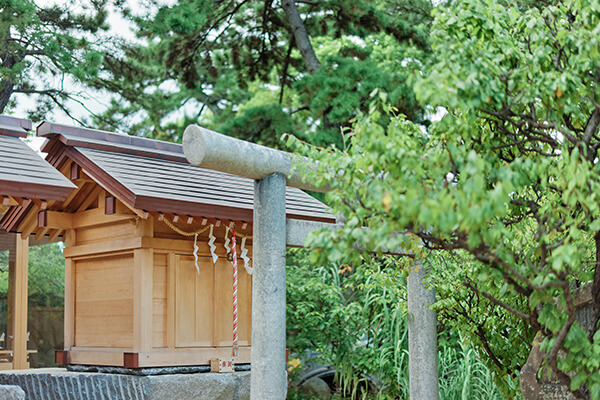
(159, 298)
(244, 305)
(193, 302)
(104, 302)
(223, 303)
(93, 234)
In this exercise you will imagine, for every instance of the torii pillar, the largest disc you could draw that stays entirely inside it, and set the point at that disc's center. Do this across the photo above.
(269, 168)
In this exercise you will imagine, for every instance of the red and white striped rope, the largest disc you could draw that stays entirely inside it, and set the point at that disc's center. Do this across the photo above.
(235, 296)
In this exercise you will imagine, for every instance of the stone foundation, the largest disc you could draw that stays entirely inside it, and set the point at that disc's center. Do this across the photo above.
(60, 384)
(10, 392)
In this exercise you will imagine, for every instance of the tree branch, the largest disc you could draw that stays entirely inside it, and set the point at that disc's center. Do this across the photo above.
(302, 39)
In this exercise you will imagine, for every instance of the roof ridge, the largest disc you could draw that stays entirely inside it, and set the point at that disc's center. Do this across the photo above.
(13, 126)
(73, 136)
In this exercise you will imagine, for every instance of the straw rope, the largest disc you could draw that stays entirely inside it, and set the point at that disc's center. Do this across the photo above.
(184, 233)
(197, 231)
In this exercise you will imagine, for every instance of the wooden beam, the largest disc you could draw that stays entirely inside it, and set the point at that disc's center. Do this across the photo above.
(41, 233)
(30, 223)
(42, 204)
(54, 235)
(93, 196)
(103, 247)
(23, 202)
(8, 201)
(96, 216)
(55, 219)
(63, 220)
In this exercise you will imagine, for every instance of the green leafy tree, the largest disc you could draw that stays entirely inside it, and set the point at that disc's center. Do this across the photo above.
(46, 275)
(42, 47)
(258, 69)
(507, 182)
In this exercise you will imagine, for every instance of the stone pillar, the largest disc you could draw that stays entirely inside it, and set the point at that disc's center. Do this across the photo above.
(268, 378)
(422, 338)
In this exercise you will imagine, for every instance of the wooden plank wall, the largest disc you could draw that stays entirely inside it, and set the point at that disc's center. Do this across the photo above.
(104, 301)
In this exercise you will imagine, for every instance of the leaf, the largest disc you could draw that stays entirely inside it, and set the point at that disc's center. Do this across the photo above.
(387, 202)
(558, 92)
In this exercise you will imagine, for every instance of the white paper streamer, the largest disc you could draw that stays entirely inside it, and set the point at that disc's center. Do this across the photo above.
(245, 257)
(226, 244)
(196, 253)
(211, 244)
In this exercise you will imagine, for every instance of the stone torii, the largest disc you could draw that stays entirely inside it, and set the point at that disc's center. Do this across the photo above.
(271, 170)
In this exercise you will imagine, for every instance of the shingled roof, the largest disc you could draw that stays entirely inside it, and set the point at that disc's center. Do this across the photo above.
(23, 173)
(153, 175)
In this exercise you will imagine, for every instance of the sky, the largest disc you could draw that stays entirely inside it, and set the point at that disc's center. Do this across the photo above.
(94, 101)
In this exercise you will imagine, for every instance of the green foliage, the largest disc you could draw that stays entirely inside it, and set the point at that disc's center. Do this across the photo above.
(463, 376)
(46, 277)
(355, 319)
(42, 46)
(507, 181)
(234, 66)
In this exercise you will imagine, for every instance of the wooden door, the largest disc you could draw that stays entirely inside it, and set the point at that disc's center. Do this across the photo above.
(204, 303)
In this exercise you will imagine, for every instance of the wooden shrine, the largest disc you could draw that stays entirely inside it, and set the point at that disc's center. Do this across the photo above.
(134, 294)
(25, 178)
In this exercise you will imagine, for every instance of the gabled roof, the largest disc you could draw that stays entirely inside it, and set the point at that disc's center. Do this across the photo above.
(153, 175)
(23, 173)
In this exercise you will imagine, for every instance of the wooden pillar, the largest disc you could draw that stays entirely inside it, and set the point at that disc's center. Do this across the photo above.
(69, 315)
(18, 267)
(143, 269)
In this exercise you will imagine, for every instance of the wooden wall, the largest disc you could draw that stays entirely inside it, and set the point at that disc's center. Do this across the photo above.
(104, 301)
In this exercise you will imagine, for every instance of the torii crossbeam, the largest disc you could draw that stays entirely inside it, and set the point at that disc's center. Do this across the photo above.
(272, 170)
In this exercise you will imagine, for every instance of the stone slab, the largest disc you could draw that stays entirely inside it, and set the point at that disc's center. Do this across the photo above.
(60, 384)
(193, 369)
(11, 392)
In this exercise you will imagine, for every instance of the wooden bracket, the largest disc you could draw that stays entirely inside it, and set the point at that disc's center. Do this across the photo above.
(110, 204)
(75, 172)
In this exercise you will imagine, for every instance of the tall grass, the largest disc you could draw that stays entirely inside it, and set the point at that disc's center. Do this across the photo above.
(463, 376)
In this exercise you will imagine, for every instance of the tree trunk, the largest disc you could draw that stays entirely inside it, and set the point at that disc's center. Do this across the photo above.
(6, 90)
(301, 36)
(6, 86)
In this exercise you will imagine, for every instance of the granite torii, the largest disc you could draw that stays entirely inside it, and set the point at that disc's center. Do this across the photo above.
(272, 171)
